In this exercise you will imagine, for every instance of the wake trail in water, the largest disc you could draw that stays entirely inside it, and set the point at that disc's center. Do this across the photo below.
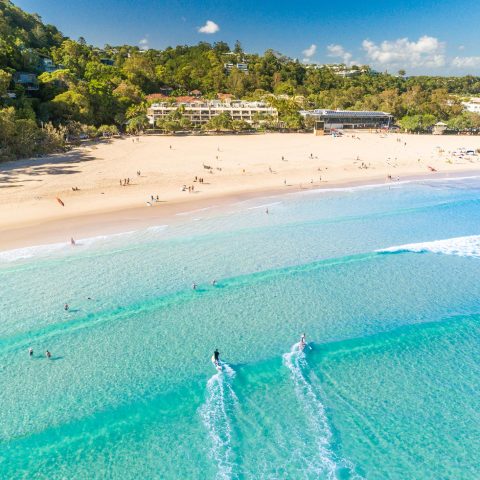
(216, 414)
(326, 465)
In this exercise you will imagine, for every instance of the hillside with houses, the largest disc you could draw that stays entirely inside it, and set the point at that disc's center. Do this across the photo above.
(54, 89)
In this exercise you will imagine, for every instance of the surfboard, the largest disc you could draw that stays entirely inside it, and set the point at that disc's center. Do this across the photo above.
(216, 365)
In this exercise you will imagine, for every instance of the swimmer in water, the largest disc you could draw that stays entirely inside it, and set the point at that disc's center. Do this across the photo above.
(30, 352)
(216, 355)
(194, 285)
(48, 354)
(66, 307)
(214, 282)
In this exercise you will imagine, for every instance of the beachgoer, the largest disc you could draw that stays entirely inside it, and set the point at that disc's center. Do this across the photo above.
(216, 356)
(48, 354)
(194, 285)
(303, 341)
(214, 282)
(72, 241)
(66, 307)
(30, 352)
(266, 211)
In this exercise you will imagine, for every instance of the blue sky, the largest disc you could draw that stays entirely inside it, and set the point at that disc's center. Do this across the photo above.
(422, 36)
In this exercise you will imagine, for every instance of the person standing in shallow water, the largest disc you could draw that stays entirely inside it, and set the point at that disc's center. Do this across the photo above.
(30, 352)
(48, 354)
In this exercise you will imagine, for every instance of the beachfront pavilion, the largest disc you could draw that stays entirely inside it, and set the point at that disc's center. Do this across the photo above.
(328, 120)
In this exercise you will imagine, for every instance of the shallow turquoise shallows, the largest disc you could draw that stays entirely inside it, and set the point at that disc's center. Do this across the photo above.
(384, 280)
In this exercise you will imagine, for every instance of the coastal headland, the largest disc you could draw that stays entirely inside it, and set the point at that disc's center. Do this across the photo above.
(132, 182)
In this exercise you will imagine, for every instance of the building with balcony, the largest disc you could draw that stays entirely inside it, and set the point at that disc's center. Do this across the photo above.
(199, 111)
(28, 81)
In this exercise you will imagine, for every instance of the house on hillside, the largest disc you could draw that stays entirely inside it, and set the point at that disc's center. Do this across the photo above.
(46, 64)
(473, 105)
(27, 80)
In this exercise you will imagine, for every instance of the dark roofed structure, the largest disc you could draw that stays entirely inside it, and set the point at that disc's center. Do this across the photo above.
(328, 120)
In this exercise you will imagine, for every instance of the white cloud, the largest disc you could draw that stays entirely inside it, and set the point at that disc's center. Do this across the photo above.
(209, 27)
(337, 51)
(310, 51)
(144, 43)
(426, 52)
(466, 62)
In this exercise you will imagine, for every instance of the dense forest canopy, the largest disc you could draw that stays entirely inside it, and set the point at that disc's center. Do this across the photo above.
(76, 87)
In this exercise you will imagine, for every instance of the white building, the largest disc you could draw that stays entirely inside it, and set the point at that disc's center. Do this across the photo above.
(200, 111)
(473, 105)
(243, 67)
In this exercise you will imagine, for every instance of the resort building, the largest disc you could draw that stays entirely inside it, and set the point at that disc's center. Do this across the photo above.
(328, 120)
(200, 111)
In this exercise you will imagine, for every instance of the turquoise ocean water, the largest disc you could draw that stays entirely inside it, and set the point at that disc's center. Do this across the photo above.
(384, 281)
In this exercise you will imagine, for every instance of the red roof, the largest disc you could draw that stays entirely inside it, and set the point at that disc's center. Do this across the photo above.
(187, 99)
(224, 96)
(156, 96)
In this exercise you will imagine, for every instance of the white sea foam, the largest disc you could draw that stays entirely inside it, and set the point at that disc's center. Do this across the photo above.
(461, 246)
(265, 205)
(157, 228)
(323, 466)
(52, 248)
(190, 212)
(372, 186)
(216, 413)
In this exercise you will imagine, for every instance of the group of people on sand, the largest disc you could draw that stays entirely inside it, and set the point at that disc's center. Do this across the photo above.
(190, 188)
(198, 179)
(126, 181)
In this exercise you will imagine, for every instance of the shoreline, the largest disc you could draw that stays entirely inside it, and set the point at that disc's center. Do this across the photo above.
(192, 173)
(120, 221)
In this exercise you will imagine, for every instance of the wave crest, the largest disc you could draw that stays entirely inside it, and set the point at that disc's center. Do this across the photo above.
(468, 246)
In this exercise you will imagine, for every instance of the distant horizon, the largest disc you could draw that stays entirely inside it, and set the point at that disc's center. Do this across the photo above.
(418, 37)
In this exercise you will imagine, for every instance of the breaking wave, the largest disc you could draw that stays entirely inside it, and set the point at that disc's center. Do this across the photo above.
(460, 246)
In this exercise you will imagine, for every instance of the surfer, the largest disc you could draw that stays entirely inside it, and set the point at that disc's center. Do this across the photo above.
(216, 357)
(303, 341)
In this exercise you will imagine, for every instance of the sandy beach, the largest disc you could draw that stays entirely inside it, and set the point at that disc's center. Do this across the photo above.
(89, 180)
